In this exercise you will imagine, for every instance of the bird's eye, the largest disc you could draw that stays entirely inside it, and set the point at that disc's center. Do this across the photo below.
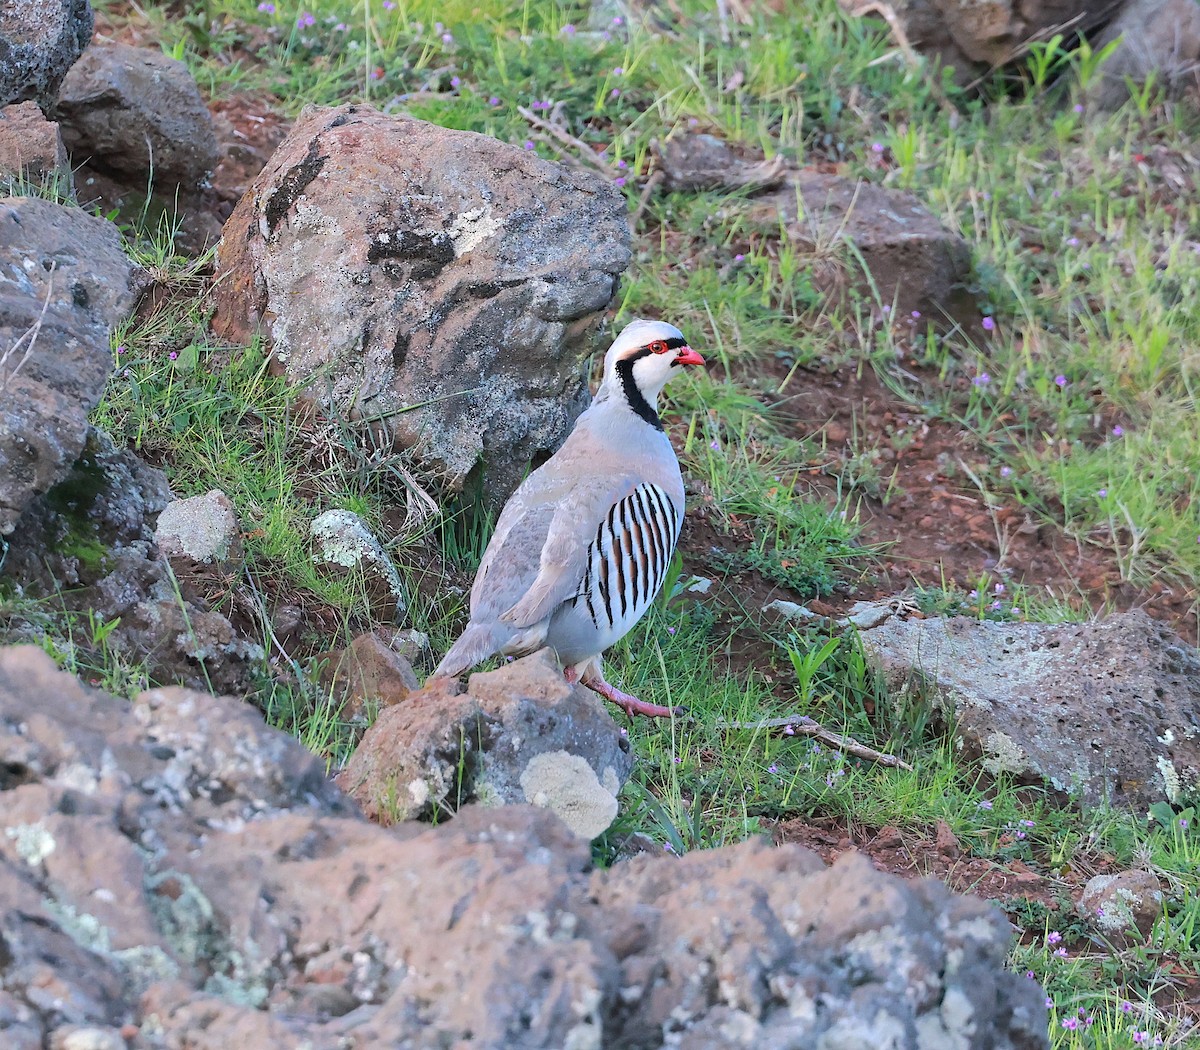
(659, 347)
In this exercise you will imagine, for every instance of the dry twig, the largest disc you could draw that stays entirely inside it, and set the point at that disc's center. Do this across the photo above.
(805, 726)
(558, 137)
(31, 333)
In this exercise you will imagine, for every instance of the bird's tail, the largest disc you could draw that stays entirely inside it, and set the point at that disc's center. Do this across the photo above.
(475, 644)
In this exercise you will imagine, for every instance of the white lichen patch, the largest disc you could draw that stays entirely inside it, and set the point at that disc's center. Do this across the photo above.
(471, 228)
(34, 843)
(566, 784)
(418, 792)
(1002, 754)
(1172, 786)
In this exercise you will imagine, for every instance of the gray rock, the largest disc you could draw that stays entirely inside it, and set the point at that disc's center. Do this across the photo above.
(200, 529)
(705, 162)
(1106, 711)
(1159, 38)
(911, 259)
(39, 39)
(1122, 908)
(137, 112)
(445, 284)
(190, 872)
(32, 151)
(89, 542)
(64, 280)
(519, 734)
(344, 545)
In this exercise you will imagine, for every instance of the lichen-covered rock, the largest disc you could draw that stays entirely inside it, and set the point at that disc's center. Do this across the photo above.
(32, 151)
(138, 112)
(64, 281)
(1122, 907)
(201, 530)
(39, 40)
(89, 542)
(518, 734)
(177, 867)
(344, 546)
(1106, 711)
(447, 284)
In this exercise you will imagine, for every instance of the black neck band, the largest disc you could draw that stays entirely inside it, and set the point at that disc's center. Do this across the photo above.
(633, 395)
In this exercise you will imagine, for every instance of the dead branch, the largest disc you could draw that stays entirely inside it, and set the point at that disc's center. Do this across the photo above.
(805, 726)
(583, 152)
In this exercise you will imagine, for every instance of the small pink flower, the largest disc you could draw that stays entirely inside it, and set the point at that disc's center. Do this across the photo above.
(1118, 431)
(619, 181)
(172, 355)
(1060, 381)
(989, 324)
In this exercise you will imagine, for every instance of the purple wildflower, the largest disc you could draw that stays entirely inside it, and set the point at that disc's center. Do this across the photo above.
(989, 324)
(568, 30)
(876, 147)
(493, 101)
(305, 20)
(528, 144)
(982, 379)
(619, 180)
(455, 81)
(1005, 471)
(1118, 431)
(266, 8)
(1060, 381)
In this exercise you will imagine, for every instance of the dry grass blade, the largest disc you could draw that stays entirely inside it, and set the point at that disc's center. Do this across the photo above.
(31, 333)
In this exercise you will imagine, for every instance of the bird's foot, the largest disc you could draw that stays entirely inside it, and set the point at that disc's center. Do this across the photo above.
(571, 675)
(631, 705)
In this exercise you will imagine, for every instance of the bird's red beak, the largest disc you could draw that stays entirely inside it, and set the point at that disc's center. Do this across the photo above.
(688, 356)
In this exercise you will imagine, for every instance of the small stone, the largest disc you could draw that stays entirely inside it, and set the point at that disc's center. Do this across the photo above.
(201, 529)
(790, 610)
(1124, 907)
(946, 842)
(344, 545)
(368, 671)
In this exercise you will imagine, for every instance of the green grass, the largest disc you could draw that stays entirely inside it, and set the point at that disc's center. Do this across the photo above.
(1075, 377)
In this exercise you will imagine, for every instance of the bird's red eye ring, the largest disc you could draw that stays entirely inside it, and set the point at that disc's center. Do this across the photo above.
(659, 346)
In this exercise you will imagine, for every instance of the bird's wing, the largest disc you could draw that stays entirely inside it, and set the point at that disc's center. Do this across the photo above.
(578, 508)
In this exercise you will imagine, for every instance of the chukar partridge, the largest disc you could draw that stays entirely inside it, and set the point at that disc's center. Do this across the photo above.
(583, 545)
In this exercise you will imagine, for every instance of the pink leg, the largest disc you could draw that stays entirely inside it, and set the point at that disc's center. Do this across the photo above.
(631, 705)
(571, 675)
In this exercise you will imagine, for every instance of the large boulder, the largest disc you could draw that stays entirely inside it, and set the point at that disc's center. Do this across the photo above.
(137, 112)
(64, 281)
(175, 871)
(440, 282)
(39, 40)
(519, 734)
(1159, 38)
(1108, 712)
